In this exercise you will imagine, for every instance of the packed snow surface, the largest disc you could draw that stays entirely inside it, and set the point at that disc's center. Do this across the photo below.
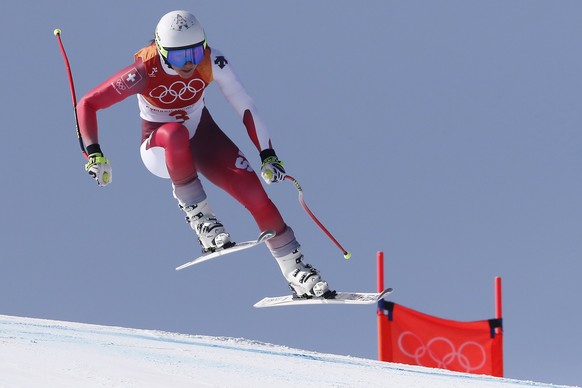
(44, 353)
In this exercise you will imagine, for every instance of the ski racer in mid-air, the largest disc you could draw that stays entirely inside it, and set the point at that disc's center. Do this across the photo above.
(180, 140)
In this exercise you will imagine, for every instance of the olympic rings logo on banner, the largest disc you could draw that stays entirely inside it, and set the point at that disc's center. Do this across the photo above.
(443, 359)
(179, 90)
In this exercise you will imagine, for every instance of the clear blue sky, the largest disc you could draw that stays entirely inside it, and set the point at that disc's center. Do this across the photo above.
(445, 133)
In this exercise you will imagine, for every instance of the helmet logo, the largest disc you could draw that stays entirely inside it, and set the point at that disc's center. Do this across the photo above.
(181, 23)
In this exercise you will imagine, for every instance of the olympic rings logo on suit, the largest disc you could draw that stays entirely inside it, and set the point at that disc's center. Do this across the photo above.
(119, 84)
(179, 90)
(420, 351)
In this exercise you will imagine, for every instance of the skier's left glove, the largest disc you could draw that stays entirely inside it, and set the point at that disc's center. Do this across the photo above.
(98, 166)
(272, 170)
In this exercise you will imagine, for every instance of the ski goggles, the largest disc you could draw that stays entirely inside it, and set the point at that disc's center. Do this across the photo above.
(179, 57)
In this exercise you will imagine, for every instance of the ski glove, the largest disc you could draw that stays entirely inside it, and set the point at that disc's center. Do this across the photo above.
(272, 170)
(98, 166)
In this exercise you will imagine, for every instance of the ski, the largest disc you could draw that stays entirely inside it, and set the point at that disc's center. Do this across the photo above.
(264, 236)
(340, 298)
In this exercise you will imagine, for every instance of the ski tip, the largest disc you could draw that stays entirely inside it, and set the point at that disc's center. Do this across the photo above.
(182, 266)
(387, 291)
(265, 235)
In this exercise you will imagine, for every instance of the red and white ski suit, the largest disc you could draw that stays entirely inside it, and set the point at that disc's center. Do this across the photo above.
(175, 118)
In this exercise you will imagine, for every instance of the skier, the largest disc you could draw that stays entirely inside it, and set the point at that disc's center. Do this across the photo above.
(180, 140)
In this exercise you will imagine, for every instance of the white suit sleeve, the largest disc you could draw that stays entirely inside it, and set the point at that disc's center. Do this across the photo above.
(239, 99)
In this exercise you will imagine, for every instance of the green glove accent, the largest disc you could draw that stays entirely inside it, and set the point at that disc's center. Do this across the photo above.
(99, 168)
(272, 169)
(94, 159)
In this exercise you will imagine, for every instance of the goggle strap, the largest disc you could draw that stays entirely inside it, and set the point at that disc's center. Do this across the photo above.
(203, 43)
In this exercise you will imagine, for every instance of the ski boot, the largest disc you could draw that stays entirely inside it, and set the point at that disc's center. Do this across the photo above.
(304, 280)
(211, 233)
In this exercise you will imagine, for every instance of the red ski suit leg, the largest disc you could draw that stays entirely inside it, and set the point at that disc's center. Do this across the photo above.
(174, 139)
(221, 162)
(215, 156)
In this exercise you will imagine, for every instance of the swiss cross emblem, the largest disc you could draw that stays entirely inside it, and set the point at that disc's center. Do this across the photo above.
(130, 78)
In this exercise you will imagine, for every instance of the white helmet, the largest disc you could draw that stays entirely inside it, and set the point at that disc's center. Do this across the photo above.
(178, 29)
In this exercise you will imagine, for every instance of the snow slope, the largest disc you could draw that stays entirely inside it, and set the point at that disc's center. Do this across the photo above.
(44, 353)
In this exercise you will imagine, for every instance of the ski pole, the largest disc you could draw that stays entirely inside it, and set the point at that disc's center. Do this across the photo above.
(346, 254)
(57, 33)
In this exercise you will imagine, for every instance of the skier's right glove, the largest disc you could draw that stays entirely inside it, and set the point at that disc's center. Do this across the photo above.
(98, 166)
(272, 169)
